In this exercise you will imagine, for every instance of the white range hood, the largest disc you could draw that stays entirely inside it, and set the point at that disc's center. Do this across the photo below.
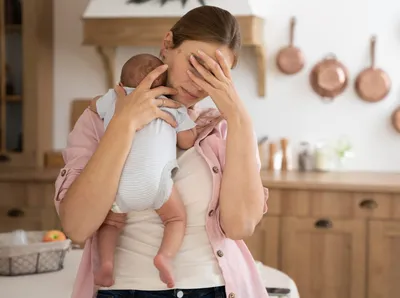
(109, 24)
(173, 8)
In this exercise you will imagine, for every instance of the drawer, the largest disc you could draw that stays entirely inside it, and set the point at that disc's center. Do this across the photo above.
(339, 204)
(9, 225)
(377, 205)
(28, 219)
(20, 218)
(26, 195)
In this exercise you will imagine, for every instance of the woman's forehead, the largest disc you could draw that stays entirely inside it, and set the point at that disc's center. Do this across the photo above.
(190, 47)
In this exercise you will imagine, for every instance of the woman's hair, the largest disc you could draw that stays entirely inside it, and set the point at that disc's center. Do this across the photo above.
(209, 24)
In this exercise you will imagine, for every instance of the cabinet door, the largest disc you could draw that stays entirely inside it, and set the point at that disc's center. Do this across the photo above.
(26, 79)
(383, 259)
(264, 243)
(326, 258)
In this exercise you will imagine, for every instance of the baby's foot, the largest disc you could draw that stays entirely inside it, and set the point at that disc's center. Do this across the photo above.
(163, 264)
(104, 276)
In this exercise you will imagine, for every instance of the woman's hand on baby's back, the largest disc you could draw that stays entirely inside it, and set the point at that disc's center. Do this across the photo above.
(143, 105)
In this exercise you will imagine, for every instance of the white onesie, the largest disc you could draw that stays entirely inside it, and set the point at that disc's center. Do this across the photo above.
(146, 180)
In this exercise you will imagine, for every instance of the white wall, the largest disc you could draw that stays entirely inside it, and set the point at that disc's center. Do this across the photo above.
(290, 109)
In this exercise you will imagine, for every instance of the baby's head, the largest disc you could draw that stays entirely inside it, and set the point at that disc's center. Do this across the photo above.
(138, 67)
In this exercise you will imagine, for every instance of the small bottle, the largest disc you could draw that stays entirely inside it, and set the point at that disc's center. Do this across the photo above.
(284, 147)
(271, 156)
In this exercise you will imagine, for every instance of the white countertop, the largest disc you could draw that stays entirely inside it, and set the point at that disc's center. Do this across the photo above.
(59, 284)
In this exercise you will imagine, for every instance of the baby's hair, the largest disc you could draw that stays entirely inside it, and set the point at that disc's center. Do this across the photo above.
(138, 67)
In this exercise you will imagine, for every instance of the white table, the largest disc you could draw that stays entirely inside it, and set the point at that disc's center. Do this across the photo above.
(59, 284)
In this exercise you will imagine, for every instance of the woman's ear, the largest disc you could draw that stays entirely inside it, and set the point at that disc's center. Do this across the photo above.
(168, 42)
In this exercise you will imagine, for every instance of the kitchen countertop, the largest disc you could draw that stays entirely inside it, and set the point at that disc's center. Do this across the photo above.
(59, 284)
(340, 181)
(333, 181)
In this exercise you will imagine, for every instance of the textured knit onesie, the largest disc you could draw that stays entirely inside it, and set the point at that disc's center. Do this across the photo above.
(146, 179)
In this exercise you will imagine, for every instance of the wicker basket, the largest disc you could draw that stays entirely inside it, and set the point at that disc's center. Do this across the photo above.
(34, 257)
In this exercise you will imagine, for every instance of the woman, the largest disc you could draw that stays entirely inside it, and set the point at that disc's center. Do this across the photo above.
(218, 179)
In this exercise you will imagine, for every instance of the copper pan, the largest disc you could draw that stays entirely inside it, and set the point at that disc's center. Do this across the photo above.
(329, 78)
(396, 119)
(290, 59)
(372, 84)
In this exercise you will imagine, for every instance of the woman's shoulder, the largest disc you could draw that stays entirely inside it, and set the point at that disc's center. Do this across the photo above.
(88, 124)
(84, 137)
(211, 120)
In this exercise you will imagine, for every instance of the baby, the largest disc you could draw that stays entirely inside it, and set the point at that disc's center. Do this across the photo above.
(146, 180)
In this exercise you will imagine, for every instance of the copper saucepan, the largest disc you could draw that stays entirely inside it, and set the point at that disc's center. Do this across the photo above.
(396, 119)
(290, 59)
(329, 78)
(373, 84)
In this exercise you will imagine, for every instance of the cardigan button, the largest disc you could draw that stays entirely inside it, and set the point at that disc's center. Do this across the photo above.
(211, 213)
(220, 253)
(215, 169)
(231, 295)
(63, 172)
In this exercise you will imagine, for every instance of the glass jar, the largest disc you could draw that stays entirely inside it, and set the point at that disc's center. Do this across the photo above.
(323, 158)
(305, 157)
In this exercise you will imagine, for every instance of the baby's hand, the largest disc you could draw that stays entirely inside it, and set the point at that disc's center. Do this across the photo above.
(193, 114)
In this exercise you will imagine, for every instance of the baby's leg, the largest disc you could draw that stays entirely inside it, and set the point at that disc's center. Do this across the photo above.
(173, 215)
(107, 237)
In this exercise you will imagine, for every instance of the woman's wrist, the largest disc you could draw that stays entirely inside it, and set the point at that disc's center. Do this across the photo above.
(238, 117)
(124, 122)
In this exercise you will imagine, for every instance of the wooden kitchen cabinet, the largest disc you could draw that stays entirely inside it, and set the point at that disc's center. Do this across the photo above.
(26, 200)
(335, 234)
(325, 257)
(26, 82)
(264, 244)
(383, 259)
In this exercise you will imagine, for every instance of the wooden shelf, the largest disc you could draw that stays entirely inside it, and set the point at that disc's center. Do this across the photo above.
(109, 33)
(14, 98)
(13, 28)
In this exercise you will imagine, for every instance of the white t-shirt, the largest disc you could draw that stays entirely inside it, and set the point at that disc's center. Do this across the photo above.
(195, 265)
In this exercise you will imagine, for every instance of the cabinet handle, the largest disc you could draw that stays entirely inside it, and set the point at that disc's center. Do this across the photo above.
(323, 224)
(4, 158)
(369, 204)
(15, 212)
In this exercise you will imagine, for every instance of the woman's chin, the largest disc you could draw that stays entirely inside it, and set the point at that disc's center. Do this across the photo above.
(186, 101)
(186, 98)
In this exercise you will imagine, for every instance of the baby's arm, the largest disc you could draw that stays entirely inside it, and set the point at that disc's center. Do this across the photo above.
(187, 138)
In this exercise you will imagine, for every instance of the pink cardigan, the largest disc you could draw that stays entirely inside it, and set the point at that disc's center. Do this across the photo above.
(237, 265)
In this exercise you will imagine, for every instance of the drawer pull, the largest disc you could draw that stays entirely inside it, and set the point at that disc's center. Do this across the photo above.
(14, 212)
(323, 224)
(369, 204)
(4, 158)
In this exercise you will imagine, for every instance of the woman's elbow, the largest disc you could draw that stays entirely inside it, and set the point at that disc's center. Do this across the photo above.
(239, 230)
(72, 228)
(76, 236)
